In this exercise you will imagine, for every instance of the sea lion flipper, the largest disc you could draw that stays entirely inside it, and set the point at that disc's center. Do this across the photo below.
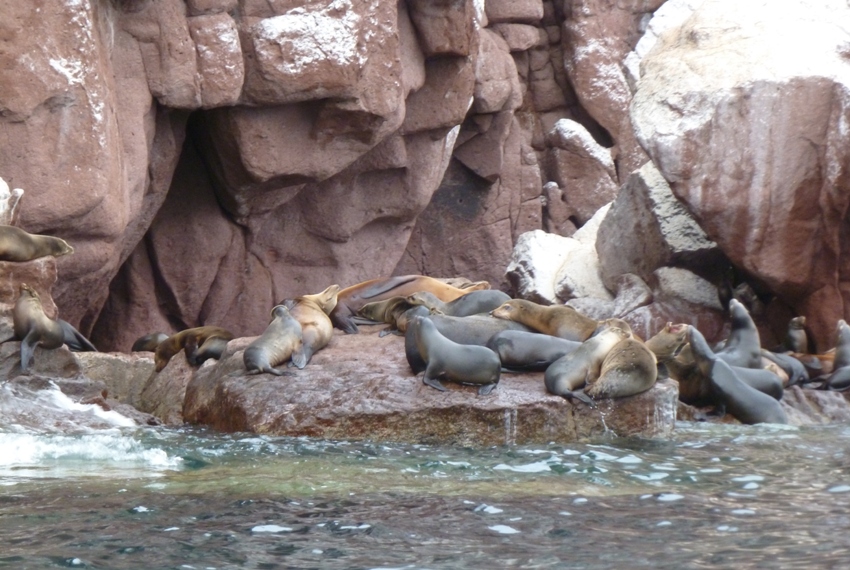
(74, 339)
(27, 348)
(584, 398)
(388, 331)
(300, 358)
(434, 383)
(486, 389)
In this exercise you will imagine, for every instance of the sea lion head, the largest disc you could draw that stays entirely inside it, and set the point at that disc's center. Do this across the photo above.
(326, 299)
(279, 311)
(797, 323)
(507, 310)
(60, 247)
(26, 289)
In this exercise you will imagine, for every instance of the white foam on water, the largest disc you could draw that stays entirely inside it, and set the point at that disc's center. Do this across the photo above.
(538, 467)
(839, 489)
(271, 528)
(669, 497)
(503, 529)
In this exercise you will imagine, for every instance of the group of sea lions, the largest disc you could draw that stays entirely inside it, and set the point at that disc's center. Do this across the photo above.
(463, 331)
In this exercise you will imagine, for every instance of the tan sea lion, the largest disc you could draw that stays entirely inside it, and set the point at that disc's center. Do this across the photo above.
(629, 368)
(312, 311)
(149, 342)
(203, 340)
(568, 374)
(18, 245)
(557, 320)
(351, 299)
(275, 346)
(32, 327)
(668, 342)
(464, 363)
(395, 311)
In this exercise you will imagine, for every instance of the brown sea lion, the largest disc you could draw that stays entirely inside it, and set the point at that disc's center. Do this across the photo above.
(194, 341)
(473, 303)
(18, 245)
(556, 320)
(629, 368)
(745, 403)
(275, 346)
(568, 374)
(395, 311)
(351, 299)
(796, 339)
(316, 328)
(839, 378)
(668, 342)
(471, 364)
(32, 327)
(148, 342)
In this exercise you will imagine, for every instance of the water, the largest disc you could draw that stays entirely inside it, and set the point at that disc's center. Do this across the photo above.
(716, 495)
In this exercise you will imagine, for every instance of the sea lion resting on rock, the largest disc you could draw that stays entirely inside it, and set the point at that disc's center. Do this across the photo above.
(629, 368)
(312, 311)
(796, 339)
(568, 374)
(839, 379)
(561, 321)
(200, 344)
(465, 363)
(743, 347)
(395, 311)
(351, 299)
(18, 245)
(473, 303)
(275, 346)
(520, 350)
(745, 403)
(148, 342)
(475, 329)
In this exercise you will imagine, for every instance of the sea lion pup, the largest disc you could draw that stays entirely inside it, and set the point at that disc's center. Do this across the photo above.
(743, 347)
(32, 327)
(475, 329)
(351, 299)
(556, 320)
(466, 363)
(18, 245)
(520, 350)
(568, 374)
(745, 403)
(276, 344)
(312, 311)
(473, 303)
(194, 341)
(148, 342)
(629, 368)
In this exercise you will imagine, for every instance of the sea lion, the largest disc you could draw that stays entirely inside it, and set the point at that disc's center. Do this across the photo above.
(475, 329)
(668, 342)
(743, 347)
(149, 342)
(395, 311)
(796, 339)
(473, 303)
(796, 371)
(556, 320)
(18, 245)
(568, 374)
(520, 350)
(839, 378)
(471, 364)
(32, 327)
(200, 343)
(629, 368)
(316, 327)
(275, 346)
(745, 403)
(351, 299)
(74, 339)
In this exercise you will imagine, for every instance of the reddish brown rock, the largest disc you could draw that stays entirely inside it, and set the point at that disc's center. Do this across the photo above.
(163, 393)
(497, 85)
(221, 69)
(446, 27)
(528, 11)
(706, 122)
(200, 7)
(444, 99)
(360, 387)
(521, 37)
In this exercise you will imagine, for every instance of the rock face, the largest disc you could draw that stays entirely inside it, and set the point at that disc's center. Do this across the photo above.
(715, 107)
(361, 387)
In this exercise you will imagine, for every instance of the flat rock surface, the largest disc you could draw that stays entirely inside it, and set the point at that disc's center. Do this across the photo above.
(360, 387)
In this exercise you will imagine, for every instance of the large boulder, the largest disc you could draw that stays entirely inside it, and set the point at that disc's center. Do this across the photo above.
(749, 128)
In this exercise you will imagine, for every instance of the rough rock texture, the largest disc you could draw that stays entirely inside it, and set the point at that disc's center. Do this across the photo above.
(750, 129)
(647, 228)
(361, 387)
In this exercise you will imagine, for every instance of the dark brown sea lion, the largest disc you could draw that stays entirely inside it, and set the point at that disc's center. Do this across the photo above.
(745, 403)
(796, 339)
(18, 245)
(32, 327)
(149, 342)
(351, 299)
(275, 346)
(566, 376)
(473, 303)
(475, 329)
(471, 364)
(556, 320)
(194, 340)
(520, 350)
(629, 368)
(316, 328)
